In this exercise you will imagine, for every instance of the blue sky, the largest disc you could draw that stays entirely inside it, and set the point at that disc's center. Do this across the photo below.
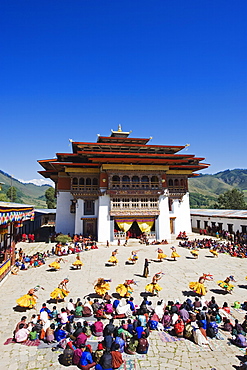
(173, 70)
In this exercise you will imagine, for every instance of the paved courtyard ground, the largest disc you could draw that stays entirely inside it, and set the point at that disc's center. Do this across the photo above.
(162, 355)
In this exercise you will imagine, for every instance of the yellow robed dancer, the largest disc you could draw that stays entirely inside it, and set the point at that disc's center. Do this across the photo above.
(61, 291)
(29, 300)
(161, 255)
(113, 258)
(198, 286)
(195, 253)
(56, 264)
(214, 252)
(174, 253)
(225, 284)
(125, 290)
(133, 257)
(154, 287)
(78, 263)
(102, 286)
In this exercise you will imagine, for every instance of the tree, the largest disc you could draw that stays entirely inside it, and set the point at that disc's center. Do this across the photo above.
(231, 199)
(50, 198)
(62, 238)
(12, 193)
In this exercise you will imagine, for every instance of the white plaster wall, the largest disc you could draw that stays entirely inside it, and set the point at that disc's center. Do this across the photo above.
(237, 222)
(65, 221)
(162, 223)
(181, 210)
(78, 215)
(104, 229)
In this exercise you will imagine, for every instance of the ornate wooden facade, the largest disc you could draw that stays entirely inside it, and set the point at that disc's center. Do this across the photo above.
(119, 176)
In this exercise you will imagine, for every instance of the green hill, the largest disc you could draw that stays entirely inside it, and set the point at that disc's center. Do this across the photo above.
(205, 189)
(26, 193)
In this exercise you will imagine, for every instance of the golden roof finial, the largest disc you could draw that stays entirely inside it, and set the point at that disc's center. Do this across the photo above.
(119, 128)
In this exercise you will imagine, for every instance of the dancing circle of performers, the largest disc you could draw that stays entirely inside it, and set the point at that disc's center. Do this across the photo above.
(102, 286)
(154, 288)
(29, 300)
(174, 254)
(133, 257)
(198, 286)
(78, 263)
(125, 290)
(56, 264)
(161, 255)
(226, 285)
(61, 291)
(113, 259)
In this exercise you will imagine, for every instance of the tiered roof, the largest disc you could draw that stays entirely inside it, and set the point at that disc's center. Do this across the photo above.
(120, 149)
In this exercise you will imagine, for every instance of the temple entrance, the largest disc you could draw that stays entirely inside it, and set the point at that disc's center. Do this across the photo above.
(133, 227)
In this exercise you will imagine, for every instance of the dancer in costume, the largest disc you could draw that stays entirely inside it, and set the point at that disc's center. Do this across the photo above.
(226, 284)
(78, 264)
(161, 255)
(113, 258)
(174, 253)
(214, 252)
(102, 286)
(195, 253)
(133, 257)
(146, 268)
(154, 287)
(29, 300)
(61, 291)
(56, 264)
(125, 290)
(198, 286)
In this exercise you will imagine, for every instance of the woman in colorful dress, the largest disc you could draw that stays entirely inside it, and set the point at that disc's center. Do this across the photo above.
(125, 290)
(78, 263)
(195, 253)
(174, 254)
(154, 288)
(214, 252)
(198, 286)
(29, 300)
(61, 291)
(161, 255)
(226, 284)
(102, 286)
(133, 257)
(113, 258)
(56, 264)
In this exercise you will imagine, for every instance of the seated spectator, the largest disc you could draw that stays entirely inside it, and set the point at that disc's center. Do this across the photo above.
(78, 330)
(118, 341)
(212, 328)
(183, 313)
(131, 345)
(159, 310)
(21, 334)
(59, 333)
(49, 335)
(81, 339)
(108, 307)
(33, 335)
(54, 313)
(95, 305)
(105, 362)
(237, 329)
(98, 353)
(225, 307)
(87, 329)
(131, 303)
(166, 320)
(70, 306)
(110, 327)
(142, 347)
(97, 328)
(227, 326)
(197, 304)
(239, 341)
(244, 324)
(130, 327)
(117, 359)
(78, 310)
(86, 360)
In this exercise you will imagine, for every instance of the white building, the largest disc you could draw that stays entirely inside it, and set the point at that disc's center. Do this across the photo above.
(121, 186)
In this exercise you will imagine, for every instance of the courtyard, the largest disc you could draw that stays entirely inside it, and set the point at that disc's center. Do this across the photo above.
(162, 354)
